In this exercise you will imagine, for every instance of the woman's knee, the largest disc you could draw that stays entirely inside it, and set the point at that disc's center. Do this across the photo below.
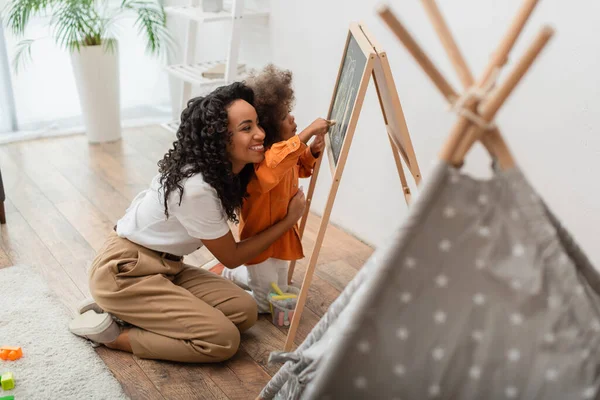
(102, 288)
(247, 311)
(223, 347)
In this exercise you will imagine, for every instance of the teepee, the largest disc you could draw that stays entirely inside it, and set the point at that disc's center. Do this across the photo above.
(480, 294)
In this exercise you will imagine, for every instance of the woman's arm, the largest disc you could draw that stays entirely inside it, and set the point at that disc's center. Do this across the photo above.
(232, 254)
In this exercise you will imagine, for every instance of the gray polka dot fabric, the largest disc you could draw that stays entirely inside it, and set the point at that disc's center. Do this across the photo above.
(482, 294)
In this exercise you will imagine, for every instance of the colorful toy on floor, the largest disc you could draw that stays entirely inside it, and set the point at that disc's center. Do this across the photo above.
(11, 397)
(282, 304)
(10, 353)
(7, 380)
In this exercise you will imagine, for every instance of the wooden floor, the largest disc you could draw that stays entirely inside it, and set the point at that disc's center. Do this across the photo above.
(63, 198)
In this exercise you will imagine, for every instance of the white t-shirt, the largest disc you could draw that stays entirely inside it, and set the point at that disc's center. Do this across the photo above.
(200, 216)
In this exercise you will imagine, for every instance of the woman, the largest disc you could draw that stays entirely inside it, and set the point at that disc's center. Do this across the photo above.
(179, 312)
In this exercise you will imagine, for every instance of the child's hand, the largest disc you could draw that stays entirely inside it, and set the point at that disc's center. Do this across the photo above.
(319, 126)
(317, 145)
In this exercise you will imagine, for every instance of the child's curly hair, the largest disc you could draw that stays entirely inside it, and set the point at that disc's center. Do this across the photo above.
(273, 99)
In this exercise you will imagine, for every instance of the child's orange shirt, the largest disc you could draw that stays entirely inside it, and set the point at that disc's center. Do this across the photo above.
(270, 190)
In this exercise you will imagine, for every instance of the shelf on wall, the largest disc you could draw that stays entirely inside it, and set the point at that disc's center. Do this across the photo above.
(192, 73)
(196, 13)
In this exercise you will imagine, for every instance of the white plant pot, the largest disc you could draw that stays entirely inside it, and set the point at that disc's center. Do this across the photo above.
(97, 78)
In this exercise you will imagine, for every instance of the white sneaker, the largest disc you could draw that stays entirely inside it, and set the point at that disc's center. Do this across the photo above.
(99, 328)
(89, 304)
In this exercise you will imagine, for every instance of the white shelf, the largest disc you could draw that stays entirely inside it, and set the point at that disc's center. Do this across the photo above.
(192, 73)
(197, 14)
(189, 71)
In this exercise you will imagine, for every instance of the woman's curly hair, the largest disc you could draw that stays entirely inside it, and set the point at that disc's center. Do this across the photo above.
(201, 147)
(273, 99)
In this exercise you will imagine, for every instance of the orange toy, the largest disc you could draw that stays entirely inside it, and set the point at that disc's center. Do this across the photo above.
(10, 353)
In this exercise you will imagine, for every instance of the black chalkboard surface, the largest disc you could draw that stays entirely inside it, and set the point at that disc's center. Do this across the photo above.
(345, 95)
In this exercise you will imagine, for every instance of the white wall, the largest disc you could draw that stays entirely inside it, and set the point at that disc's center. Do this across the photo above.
(551, 122)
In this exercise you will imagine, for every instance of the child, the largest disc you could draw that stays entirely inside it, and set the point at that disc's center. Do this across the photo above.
(287, 158)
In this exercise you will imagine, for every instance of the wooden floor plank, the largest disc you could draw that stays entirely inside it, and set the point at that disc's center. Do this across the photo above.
(126, 182)
(66, 245)
(181, 381)
(337, 245)
(133, 380)
(88, 220)
(23, 246)
(144, 140)
(246, 380)
(81, 175)
(262, 339)
(131, 159)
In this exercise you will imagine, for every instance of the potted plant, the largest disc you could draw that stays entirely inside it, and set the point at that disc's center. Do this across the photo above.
(86, 28)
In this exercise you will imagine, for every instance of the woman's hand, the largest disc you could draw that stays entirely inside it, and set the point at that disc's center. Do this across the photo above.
(296, 207)
(233, 254)
(317, 145)
(319, 126)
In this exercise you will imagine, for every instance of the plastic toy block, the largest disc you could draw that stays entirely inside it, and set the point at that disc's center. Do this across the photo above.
(7, 398)
(7, 381)
(10, 353)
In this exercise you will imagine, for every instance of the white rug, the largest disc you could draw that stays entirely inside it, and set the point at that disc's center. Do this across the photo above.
(55, 363)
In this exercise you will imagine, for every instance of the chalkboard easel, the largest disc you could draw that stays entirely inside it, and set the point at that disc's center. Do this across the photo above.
(362, 59)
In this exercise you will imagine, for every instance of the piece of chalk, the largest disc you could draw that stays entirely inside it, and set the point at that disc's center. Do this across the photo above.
(285, 296)
(276, 288)
(332, 122)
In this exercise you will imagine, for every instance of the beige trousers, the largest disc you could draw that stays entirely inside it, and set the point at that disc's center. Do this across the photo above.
(179, 312)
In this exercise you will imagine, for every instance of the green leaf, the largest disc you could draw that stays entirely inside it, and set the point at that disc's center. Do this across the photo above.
(76, 23)
(109, 45)
(22, 54)
(18, 13)
(151, 23)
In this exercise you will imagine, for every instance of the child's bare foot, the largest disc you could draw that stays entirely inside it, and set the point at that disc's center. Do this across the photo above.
(214, 266)
(217, 269)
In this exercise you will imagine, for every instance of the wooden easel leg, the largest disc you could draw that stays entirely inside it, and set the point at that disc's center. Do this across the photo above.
(2, 214)
(312, 264)
(310, 270)
(393, 117)
(405, 187)
(309, 195)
